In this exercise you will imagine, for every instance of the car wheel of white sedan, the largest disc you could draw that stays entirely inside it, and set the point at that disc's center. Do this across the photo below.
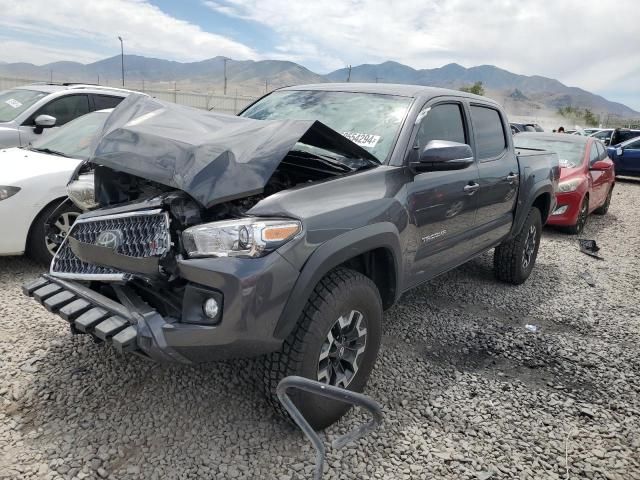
(42, 247)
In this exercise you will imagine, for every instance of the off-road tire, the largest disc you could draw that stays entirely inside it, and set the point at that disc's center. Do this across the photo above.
(508, 256)
(339, 292)
(604, 208)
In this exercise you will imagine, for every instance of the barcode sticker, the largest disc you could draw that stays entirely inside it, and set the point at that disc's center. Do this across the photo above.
(362, 139)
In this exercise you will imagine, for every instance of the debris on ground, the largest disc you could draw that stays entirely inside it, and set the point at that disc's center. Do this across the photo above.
(590, 247)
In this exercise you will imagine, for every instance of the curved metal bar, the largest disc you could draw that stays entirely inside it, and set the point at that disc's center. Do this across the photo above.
(334, 393)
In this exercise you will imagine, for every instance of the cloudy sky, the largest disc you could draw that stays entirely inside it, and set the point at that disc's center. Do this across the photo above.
(584, 43)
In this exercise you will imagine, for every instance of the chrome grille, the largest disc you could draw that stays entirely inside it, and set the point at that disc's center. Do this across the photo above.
(141, 234)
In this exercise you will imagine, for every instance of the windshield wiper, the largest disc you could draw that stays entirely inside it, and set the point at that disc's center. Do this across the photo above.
(50, 152)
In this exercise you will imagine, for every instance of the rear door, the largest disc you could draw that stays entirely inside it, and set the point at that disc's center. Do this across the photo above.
(442, 205)
(101, 102)
(629, 161)
(498, 172)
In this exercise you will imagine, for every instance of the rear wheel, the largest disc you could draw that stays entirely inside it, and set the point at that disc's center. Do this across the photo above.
(513, 261)
(41, 247)
(335, 341)
(582, 218)
(604, 208)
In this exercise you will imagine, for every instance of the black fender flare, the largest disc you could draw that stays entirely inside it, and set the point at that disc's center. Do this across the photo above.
(525, 206)
(335, 252)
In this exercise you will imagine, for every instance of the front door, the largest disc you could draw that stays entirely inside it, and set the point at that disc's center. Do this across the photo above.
(629, 161)
(442, 205)
(64, 109)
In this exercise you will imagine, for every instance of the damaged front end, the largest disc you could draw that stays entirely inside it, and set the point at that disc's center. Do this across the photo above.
(171, 263)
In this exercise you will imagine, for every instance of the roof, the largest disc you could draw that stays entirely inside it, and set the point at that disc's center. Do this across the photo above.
(556, 137)
(54, 88)
(387, 89)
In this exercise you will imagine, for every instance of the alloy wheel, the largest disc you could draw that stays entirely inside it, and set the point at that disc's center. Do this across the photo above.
(62, 226)
(342, 350)
(529, 246)
(582, 216)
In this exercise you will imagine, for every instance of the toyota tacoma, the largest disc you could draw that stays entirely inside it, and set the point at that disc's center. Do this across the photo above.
(286, 231)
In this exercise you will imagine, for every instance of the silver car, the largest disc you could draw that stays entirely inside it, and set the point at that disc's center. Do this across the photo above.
(27, 113)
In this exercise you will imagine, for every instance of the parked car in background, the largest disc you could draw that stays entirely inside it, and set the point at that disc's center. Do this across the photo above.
(615, 136)
(587, 176)
(30, 112)
(591, 131)
(33, 183)
(525, 127)
(626, 157)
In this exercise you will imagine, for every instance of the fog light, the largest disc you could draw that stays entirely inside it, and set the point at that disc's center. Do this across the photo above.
(560, 210)
(211, 308)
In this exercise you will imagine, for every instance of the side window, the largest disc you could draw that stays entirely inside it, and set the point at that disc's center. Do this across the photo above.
(443, 122)
(634, 145)
(64, 109)
(101, 102)
(489, 132)
(602, 153)
(593, 153)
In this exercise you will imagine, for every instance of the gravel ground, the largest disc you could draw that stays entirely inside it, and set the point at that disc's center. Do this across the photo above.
(469, 391)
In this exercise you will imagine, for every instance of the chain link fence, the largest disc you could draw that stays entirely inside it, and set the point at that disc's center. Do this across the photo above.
(208, 101)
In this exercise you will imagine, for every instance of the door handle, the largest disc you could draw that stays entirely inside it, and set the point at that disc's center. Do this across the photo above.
(512, 177)
(471, 188)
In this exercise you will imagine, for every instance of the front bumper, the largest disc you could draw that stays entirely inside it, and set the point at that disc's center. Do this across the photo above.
(572, 200)
(253, 291)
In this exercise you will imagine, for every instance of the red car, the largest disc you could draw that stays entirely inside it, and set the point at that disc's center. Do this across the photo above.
(587, 176)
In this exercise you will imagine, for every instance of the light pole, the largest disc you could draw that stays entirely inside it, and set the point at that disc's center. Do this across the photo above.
(122, 58)
(225, 75)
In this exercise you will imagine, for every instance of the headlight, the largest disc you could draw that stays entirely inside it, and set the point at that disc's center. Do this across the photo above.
(569, 185)
(6, 192)
(82, 192)
(247, 237)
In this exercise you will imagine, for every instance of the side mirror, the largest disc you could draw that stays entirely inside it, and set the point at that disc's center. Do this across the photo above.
(600, 165)
(439, 155)
(44, 121)
(619, 151)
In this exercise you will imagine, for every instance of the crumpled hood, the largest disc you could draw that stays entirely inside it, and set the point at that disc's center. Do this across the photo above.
(211, 156)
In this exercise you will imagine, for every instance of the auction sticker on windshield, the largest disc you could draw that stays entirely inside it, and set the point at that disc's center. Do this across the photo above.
(12, 102)
(362, 139)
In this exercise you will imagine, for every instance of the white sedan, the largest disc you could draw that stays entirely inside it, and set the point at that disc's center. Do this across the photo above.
(33, 184)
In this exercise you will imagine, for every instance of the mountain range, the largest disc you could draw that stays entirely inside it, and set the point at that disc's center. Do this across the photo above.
(519, 93)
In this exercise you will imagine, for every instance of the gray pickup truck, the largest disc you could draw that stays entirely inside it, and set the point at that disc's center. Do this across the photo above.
(286, 231)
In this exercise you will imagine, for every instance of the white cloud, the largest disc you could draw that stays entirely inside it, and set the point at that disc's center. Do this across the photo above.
(146, 29)
(572, 40)
(19, 51)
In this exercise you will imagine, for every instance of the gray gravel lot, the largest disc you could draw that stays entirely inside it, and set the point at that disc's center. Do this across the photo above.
(469, 392)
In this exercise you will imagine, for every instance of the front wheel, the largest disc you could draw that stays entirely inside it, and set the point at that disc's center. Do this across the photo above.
(513, 260)
(41, 247)
(581, 221)
(335, 341)
(604, 208)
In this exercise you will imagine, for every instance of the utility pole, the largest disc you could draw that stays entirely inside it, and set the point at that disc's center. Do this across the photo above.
(122, 58)
(378, 78)
(225, 75)
(50, 76)
(349, 75)
(175, 92)
(98, 79)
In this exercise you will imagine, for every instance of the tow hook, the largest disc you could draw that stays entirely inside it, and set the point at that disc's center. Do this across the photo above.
(334, 393)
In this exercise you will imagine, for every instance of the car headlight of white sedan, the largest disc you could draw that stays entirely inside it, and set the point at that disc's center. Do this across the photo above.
(7, 191)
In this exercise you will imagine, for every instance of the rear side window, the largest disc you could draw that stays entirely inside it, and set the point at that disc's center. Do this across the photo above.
(602, 153)
(443, 122)
(64, 109)
(489, 132)
(101, 102)
(634, 145)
